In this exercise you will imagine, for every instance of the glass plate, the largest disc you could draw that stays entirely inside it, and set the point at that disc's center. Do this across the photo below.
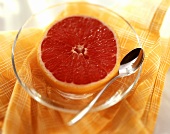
(30, 76)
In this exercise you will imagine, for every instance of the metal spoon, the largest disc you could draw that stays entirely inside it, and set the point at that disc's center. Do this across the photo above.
(129, 65)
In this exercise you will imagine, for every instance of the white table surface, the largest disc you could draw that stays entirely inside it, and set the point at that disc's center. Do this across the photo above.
(20, 10)
(163, 121)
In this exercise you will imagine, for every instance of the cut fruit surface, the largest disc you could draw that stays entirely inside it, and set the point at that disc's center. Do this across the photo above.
(79, 54)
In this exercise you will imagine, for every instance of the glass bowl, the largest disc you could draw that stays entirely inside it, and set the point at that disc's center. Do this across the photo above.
(30, 77)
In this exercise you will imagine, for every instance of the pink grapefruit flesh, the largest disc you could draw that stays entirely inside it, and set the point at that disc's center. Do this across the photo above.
(78, 54)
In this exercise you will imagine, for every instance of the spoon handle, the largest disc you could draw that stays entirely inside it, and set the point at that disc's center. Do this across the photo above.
(84, 111)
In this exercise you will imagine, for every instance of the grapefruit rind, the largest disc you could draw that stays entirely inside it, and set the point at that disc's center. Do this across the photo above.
(80, 9)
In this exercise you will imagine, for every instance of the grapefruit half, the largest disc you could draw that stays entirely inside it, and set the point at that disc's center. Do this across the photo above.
(79, 54)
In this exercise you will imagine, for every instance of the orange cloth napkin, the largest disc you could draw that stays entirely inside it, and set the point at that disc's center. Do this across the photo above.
(20, 114)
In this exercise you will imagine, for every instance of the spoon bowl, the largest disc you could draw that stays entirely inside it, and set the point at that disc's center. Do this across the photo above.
(131, 62)
(129, 65)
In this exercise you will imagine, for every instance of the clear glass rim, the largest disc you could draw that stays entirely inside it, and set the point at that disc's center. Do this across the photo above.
(48, 103)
